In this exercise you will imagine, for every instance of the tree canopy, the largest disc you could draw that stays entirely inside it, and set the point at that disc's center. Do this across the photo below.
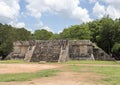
(76, 32)
(42, 34)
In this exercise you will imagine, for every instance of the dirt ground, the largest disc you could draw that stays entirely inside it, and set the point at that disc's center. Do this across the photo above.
(19, 68)
(63, 78)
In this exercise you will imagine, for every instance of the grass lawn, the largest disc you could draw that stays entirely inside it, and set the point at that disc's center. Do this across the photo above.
(11, 61)
(69, 62)
(92, 62)
(27, 76)
(111, 74)
(16, 61)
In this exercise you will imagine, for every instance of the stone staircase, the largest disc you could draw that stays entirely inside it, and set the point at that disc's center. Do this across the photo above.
(29, 53)
(64, 53)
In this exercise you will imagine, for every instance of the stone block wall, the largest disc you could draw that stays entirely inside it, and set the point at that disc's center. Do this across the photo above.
(46, 51)
(19, 50)
(81, 50)
(57, 51)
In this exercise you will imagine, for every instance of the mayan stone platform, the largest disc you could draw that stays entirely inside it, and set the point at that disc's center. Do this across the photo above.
(57, 51)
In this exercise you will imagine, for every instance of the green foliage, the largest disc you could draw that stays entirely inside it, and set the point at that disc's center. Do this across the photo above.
(106, 39)
(27, 76)
(22, 34)
(8, 35)
(5, 40)
(94, 27)
(105, 32)
(42, 34)
(116, 48)
(116, 30)
(76, 32)
(55, 37)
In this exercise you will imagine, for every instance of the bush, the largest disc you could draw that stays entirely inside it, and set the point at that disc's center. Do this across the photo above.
(116, 50)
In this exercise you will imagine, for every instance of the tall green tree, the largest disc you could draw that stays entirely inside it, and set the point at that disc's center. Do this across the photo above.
(94, 27)
(6, 41)
(106, 38)
(8, 35)
(22, 34)
(76, 32)
(116, 30)
(42, 34)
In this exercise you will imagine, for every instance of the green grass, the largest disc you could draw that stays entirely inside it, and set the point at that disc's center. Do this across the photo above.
(92, 62)
(69, 62)
(16, 61)
(27, 76)
(11, 61)
(111, 74)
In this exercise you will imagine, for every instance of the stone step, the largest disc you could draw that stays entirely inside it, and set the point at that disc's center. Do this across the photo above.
(29, 53)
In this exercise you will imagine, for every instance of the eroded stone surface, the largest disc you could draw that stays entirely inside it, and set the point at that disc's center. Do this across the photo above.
(57, 50)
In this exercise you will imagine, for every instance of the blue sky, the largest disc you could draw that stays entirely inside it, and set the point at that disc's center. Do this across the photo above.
(55, 15)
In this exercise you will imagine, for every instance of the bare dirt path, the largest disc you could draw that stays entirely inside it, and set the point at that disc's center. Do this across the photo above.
(19, 68)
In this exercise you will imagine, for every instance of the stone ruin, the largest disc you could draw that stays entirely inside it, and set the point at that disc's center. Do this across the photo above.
(57, 51)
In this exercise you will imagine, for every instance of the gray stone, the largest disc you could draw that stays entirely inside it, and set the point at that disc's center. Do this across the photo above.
(57, 51)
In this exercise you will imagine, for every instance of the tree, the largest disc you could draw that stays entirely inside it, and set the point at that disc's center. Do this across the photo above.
(106, 37)
(76, 32)
(8, 35)
(116, 51)
(42, 34)
(55, 37)
(22, 34)
(6, 41)
(116, 30)
(94, 27)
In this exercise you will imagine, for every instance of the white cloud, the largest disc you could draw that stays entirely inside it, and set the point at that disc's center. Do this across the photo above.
(82, 14)
(113, 12)
(111, 8)
(65, 8)
(113, 2)
(47, 28)
(99, 10)
(40, 25)
(20, 25)
(9, 10)
(92, 1)
(17, 24)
